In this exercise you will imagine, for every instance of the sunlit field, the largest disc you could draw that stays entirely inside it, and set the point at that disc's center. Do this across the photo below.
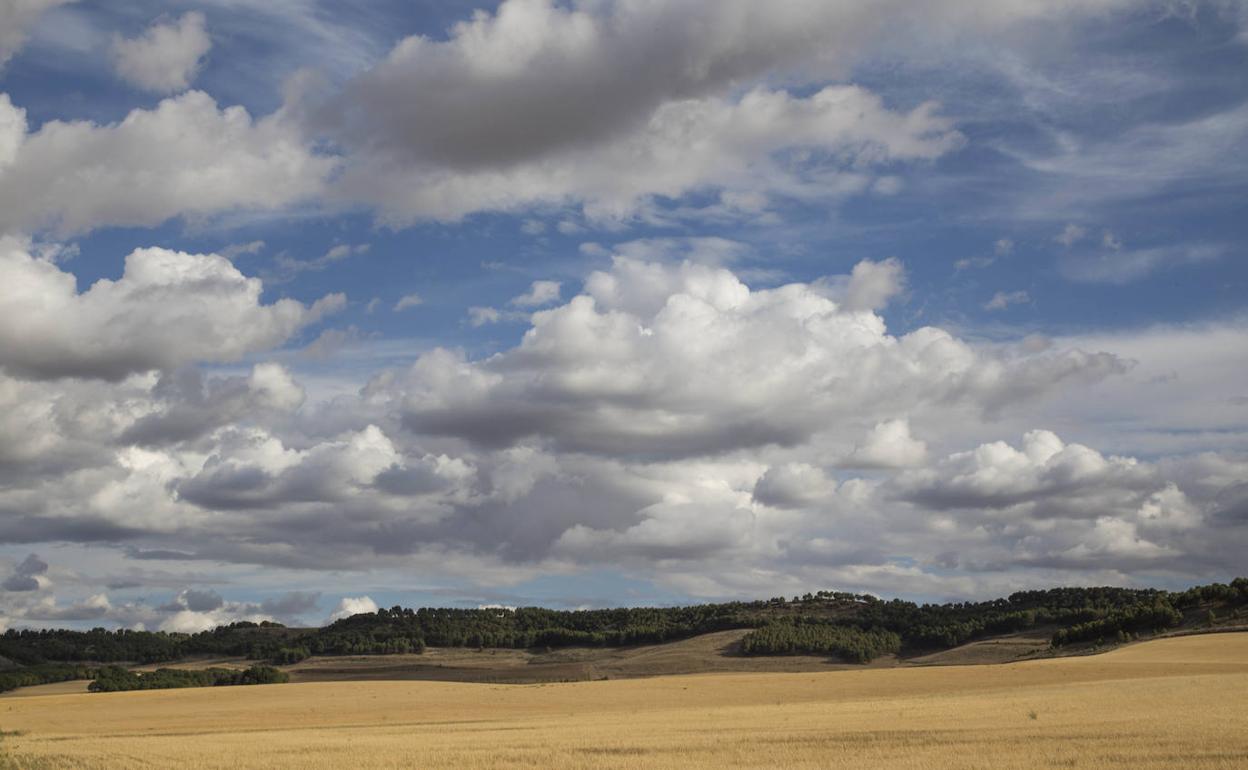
(1179, 702)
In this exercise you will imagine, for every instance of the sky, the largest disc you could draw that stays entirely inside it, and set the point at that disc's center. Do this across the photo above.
(312, 307)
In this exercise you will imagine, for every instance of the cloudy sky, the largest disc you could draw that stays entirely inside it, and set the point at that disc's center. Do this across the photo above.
(310, 306)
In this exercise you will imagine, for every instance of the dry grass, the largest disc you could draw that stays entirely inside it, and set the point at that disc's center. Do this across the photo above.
(1169, 703)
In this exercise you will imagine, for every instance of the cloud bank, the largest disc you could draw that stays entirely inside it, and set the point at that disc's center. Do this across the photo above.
(604, 438)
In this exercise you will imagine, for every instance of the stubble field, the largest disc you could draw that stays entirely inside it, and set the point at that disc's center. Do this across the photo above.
(1173, 703)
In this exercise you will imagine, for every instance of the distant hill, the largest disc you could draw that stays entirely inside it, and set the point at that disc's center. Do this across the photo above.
(853, 628)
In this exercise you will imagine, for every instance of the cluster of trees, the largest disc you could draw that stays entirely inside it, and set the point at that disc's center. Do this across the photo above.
(1118, 624)
(287, 656)
(803, 637)
(42, 674)
(116, 678)
(1222, 593)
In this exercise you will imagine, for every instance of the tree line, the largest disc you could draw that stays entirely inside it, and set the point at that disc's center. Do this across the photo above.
(1079, 614)
(117, 678)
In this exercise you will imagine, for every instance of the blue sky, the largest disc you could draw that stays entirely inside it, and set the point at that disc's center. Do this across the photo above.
(594, 303)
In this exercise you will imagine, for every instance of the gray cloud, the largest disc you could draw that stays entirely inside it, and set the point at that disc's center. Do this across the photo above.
(259, 472)
(292, 604)
(23, 577)
(191, 406)
(535, 78)
(79, 529)
(793, 485)
(158, 554)
(560, 77)
(195, 601)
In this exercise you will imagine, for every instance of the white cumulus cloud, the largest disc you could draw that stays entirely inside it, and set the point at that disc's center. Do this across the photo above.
(638, 362)
(539, 293)
(168, 308)
(166, 56)
(888, 445)
(185, 157)
(352, 605)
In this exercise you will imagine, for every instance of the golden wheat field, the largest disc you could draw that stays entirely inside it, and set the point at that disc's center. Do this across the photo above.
(1174, 703)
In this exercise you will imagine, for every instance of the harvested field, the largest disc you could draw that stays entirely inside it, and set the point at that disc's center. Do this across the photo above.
(1167, 703)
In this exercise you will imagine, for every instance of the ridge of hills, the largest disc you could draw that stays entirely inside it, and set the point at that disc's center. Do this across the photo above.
(820, 629)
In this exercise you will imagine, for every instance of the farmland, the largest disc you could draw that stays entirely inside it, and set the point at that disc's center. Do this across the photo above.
(1175, 702)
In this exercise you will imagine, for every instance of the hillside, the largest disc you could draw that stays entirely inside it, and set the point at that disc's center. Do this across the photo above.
(537, 644)
(715, 652)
